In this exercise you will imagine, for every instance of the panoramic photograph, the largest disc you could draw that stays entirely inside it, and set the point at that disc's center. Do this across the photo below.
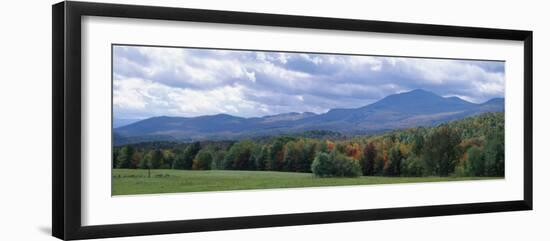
(197, 119)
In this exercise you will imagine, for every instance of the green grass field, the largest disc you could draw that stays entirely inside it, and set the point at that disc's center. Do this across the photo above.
(131, 181)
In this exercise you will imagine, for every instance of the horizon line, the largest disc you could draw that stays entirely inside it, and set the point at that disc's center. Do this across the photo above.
(303, 112)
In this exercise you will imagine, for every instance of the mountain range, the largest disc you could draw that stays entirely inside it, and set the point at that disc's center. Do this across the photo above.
(409, 109)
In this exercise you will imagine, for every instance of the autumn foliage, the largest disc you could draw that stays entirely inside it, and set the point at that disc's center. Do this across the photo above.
(470, 147)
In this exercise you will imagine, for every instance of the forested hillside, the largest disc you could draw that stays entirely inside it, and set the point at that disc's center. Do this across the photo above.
(396, 111)
(473, 146)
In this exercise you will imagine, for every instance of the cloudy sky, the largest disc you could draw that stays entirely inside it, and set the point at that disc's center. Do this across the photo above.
(155, 81)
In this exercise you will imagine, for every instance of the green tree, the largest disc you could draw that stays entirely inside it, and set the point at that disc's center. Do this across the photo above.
(262, 157)
(417, 144)
(276, 158)
(441, 150)
(335, 164)
(156, 158)
(393, 166)
(238, 156)
(150, 160)
(367, 161)
(255, 156)
(412, 166)
(494, 154)
(322, 165)
(293, 156)
(203, 160)
(344, 165)
(178, 161)
(167, 159)
(309, 155)
(115, 158)
(145, 161)
(217, 159)
(124, 158)
(475, 164)
(184, 160)
(379, 163)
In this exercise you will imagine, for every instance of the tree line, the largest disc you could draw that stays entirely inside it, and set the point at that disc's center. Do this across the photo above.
(473, 146)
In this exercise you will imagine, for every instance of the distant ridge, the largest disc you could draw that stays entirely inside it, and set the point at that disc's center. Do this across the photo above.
(408, 109)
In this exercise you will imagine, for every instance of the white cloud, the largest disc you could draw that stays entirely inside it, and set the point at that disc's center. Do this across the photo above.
(314, 59)
(153, 81)
(128, 94)
(131, 96)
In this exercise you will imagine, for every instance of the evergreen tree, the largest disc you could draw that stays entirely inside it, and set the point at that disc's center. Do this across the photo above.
(156, 158)
(369, 154)
(394, 162)
(309, 156)
(189, 154)
(124, 158)
(184, 160)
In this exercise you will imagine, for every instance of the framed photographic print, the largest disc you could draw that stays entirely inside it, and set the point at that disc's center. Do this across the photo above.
(169, 120)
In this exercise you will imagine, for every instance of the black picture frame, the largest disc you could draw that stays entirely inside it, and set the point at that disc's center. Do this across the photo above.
(66, 127)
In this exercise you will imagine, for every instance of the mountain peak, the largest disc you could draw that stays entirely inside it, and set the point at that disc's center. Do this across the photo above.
(407, 97)
(417, 91)
(419, 101)
(497, 100)
(401, 110)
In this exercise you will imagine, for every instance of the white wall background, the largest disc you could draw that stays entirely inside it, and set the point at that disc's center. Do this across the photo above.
(25, 120)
